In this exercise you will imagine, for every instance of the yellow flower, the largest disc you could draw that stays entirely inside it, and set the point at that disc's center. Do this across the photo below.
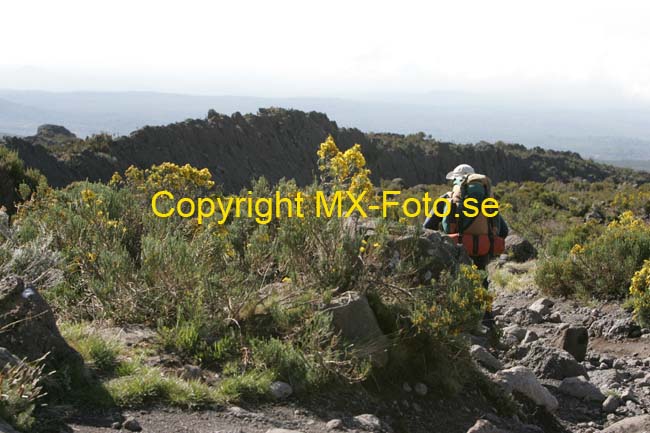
(376, 245)
(577, 249)
(91, 257)
(286, 280)
(87, 195)
(362, 249)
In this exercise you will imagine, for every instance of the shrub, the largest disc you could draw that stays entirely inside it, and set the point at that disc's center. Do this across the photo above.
(20, 391)
(640, 294)
(601, 267)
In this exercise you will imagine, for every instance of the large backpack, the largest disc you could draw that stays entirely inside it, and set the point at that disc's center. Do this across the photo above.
(478, 234)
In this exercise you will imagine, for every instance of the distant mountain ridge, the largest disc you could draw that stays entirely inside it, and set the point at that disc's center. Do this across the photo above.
(278, 143)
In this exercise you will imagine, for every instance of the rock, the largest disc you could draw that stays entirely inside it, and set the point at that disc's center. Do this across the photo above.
(580, 387)
(523, 380)
(131, 424)
(6, 428)
(370, 422)
(611, 403)
(555, 317)
(527, 317)
(519, 249)
(575, 341)
(637, 424)
(515, 330)
(334, 424)
(552, 363)
(435, 254)
(623, 328)
(604, 379)
(619, 364)
(191, 372)
(280, 390)
(282, 430)
(352, 315)
(421, 389)
(116, 425)
(29, 327)
(8, 358)
(542, 306)
(530, 337)
(629, 395)
(406, 387)
(482, 356)
(484, 426)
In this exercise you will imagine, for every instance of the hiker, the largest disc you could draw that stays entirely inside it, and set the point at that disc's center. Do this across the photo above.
(482, 237)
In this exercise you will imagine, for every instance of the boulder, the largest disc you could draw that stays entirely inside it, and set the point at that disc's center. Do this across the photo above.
(580, 387)
(435, 252)
(353, 317)
(637, 424)
(280, 390)
(523, 380)
(526, 317)
(552, 363)
(29, 327)
(542, 306)
(517, 331)
(481, 355)
(575, 341)
(519, 249)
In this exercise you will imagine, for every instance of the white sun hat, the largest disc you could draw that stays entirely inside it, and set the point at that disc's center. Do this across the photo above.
(460, 171)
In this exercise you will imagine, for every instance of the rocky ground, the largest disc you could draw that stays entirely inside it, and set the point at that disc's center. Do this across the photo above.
(570, 366)
(574, 368)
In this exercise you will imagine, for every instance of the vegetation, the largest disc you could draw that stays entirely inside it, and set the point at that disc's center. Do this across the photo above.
(251, 302)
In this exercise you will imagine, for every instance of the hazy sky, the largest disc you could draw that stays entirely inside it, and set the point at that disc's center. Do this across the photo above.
(577, 48)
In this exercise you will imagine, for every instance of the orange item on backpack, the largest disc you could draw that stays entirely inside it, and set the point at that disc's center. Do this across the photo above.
(479, 245)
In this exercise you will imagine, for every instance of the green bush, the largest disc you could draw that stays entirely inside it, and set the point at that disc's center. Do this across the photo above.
(20, 391)
(603, 265)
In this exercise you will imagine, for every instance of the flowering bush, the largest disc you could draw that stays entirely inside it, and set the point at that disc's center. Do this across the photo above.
(602, 265)
(344, 170)
(640, 294)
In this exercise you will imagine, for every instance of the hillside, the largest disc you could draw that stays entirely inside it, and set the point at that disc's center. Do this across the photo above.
(278, 143)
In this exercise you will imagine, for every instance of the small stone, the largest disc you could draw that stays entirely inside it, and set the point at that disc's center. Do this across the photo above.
(481, 355)
(368, 421)
(484, 426)
(280, 390)
(281, 430)
(619, 364)
(611, 403)
(406, 387)
(555, 318)
(334, 424)
(628, 395)
(530, 337)
(131, 424)
(191, 372)
(421, 389)
(116, 425)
